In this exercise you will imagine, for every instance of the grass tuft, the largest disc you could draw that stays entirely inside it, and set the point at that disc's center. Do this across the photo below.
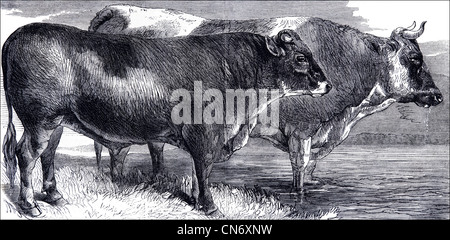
(92, 195)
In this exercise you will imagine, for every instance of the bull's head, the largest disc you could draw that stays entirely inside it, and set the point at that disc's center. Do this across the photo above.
(298, 71)
(410, 79)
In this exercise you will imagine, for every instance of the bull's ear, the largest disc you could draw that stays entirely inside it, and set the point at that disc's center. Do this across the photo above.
(273, 46)
(286, 36)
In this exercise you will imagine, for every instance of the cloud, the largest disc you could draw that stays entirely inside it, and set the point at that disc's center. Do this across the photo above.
(385, 16)
(11, 21)
(11, 11)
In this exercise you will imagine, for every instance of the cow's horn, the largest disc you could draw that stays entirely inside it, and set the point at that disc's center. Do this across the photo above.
(412, 26)
(409, 34)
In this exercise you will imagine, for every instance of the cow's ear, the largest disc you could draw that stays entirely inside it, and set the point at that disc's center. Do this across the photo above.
(273, 46)
(373, 46)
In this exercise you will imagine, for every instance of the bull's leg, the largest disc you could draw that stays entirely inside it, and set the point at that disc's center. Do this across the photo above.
(98, 154)
(194, 189)
(30, 147)
(203, 170)
(48, 169)
(117, 155)
(157, 155)
(205, 146)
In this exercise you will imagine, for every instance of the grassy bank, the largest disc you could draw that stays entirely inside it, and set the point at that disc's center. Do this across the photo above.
(92, 195)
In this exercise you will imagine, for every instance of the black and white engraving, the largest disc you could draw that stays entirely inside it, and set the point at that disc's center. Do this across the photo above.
(302, 115)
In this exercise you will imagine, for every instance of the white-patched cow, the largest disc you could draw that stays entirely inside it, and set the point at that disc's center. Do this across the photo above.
(368, 74)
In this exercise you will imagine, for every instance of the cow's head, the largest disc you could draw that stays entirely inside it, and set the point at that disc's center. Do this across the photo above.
(298, 72)
(409, 77)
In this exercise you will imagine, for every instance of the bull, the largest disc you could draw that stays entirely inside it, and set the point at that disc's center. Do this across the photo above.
(368, 73)
(116, 89)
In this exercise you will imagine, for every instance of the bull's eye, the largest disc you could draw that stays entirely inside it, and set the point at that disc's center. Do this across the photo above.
(300, 58)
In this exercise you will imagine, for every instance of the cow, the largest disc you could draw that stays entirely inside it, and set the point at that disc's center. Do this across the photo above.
(118, 90)
(368, 73)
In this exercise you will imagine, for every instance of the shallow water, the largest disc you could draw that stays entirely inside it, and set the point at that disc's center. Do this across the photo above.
(364, 182)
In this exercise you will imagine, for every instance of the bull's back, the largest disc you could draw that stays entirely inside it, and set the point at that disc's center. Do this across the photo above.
(118, 83)
(60, 71)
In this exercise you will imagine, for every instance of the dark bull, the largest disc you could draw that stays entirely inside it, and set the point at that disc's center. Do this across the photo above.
(116, 90)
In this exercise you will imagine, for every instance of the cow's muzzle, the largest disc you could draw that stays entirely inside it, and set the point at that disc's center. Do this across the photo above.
(428, 99)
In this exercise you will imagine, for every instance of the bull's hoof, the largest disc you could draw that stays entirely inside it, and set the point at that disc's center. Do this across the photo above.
(55, 198)
(56, 202)
(214, 213)
(31, 211)
(196, 206)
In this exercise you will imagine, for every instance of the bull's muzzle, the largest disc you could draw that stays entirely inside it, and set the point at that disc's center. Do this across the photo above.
(323, 88)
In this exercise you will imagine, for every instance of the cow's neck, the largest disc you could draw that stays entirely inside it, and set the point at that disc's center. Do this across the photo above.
(377, 101)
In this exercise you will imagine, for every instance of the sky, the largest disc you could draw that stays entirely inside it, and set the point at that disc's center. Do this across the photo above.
(375, 17)
(383, 16)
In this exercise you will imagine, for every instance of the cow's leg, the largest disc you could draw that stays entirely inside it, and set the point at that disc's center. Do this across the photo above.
(316, 156)
(157, 155)
(30, 147)
(117, 155)
(306, 153)
(294, 151)
(48, 169)
(299, 155)
(309, 171)
(98, 154)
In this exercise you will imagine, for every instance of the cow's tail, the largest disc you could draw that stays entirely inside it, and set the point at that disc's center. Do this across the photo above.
(9, 142)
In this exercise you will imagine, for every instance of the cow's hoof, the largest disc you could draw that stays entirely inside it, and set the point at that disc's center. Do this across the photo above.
(296, 190)
(32, 212)
(312, 182)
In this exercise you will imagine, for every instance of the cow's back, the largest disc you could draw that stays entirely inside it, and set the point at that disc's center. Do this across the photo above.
(344, 54)
(148, 22)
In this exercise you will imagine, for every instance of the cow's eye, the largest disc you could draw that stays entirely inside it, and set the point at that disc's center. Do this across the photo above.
(415, 59)
(300, 58)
